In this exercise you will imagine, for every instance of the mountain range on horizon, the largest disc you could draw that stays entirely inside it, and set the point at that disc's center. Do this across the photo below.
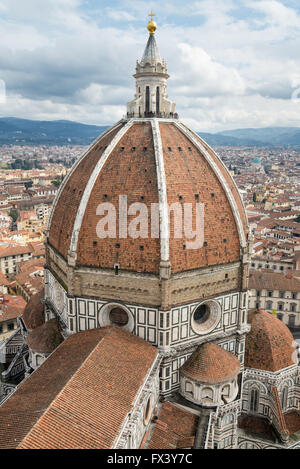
(17, 131)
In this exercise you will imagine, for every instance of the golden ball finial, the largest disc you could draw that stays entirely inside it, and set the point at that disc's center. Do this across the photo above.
(151, 25)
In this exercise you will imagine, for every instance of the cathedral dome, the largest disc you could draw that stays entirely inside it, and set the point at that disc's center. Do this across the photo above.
(149, 161)
(210, 363)
(270, 344)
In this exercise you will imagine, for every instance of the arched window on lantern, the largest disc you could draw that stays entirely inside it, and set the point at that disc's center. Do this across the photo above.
(254, 400)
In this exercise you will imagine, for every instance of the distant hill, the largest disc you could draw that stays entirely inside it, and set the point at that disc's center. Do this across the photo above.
(28, 132)
(228, 141)
(270, 135)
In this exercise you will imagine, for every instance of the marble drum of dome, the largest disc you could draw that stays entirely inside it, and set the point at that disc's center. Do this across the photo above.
(206, 317)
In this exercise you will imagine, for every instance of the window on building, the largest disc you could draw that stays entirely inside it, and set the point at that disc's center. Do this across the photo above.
(39, 360)
(291, 320)
(293, 308)
(254, 400)
(10, 326)
(280, 316)
(284, 398)
(258, 293)
(161, 321)
(269, 305)
(119, 317)
(281, 294)
(168, 319)
(147, 99)
(280, 306)
(161, 338)
(270, 294)
(294, 296)
(157, 100)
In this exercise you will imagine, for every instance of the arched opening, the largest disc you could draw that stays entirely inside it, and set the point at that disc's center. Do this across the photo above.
(284, 398)
(225, 393)
(147, 99)
(254, 400)
(157, 100)
(148, 410)
(118, 317)
(207, 395)
(189, 388)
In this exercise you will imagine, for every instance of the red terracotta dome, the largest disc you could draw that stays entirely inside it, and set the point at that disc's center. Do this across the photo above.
(45, 338)
(210, 363)
(270, 344)
(34, 315)
(150, 161)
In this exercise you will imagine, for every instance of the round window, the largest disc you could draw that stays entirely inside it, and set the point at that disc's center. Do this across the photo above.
(202, 314)
(119, 317)
(206, 317)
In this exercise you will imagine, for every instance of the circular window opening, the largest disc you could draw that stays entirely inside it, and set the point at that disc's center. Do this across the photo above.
(119, 317)
(206, 317)
(148, 410)
(202, 314)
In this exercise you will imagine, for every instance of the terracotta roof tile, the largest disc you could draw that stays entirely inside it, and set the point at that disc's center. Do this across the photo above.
(210, 363)
(34, 312)
(45, 338)
(269, 280)
(80, 396)
(131, 170)
(175, 428)
(269, 344)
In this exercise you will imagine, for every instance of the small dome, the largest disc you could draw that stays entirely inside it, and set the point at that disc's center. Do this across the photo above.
(257, 160)
(270, 344)
(46, 338)
(210, 363)
(34, 316)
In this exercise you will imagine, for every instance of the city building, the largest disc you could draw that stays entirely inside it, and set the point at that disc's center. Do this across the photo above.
(277, 293)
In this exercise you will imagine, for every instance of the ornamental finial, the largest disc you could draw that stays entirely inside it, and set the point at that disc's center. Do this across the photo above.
(151, 25)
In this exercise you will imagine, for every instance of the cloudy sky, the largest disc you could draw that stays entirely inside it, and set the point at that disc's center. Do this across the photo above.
(233, 63)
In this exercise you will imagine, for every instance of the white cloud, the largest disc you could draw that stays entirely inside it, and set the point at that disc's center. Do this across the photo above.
(200, 75)
(119, 15)
(276, 13)
(59, 60)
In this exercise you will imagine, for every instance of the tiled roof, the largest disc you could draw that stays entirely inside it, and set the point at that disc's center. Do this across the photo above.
(80, 396)
(175, 428)
(255, 425)
(34, 312)
(269, 344)
(7, 251)
(45, 338)
(292, 420)
(11, 307)
(210, 363)
(269, 280)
